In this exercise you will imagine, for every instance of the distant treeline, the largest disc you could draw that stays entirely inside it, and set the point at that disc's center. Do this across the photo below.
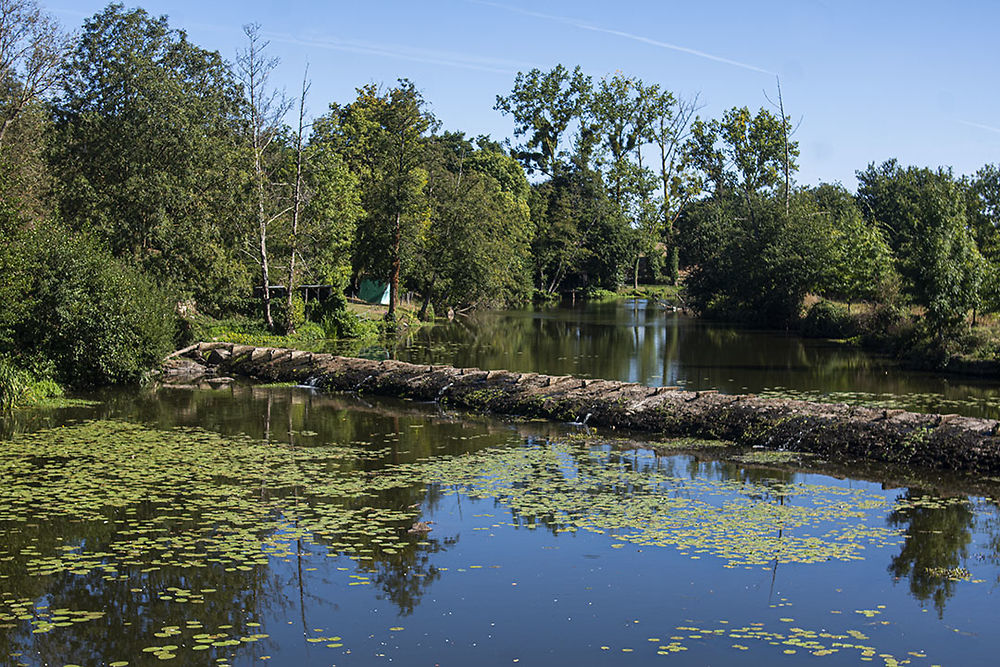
(139, 171)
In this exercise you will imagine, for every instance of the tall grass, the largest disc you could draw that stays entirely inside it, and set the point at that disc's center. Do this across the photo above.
(14, 383)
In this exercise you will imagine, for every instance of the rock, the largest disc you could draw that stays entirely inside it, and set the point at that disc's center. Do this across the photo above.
(218, 356)
(835, 431)
(182, 371)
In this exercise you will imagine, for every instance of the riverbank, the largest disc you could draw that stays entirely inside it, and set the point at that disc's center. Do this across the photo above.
(838, 432)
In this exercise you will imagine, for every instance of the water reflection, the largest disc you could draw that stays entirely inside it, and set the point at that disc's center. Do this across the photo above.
(938, 534)
(632, 341)
(315, 581)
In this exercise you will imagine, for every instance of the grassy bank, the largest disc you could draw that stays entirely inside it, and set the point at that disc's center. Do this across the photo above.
(25, 387)
(903, 333)
(360, 323)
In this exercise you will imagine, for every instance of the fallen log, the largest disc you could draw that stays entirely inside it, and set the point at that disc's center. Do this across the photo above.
(838, 432)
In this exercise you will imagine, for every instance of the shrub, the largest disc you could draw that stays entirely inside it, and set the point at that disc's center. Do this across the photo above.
(21, 386)
(345, 324)
(827, 319)
(68, 300)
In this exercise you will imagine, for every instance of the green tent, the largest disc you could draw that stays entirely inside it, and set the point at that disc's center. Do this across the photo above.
(374, 292)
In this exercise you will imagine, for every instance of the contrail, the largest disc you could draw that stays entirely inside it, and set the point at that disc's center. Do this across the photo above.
(449, 59)
(980, 126)
(576, 23)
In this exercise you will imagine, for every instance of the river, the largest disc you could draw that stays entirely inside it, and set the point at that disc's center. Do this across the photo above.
(249, 524)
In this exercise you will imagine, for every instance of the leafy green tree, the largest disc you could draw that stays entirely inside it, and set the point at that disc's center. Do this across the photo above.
(147, 153)
(381, 136)
(922, 213)
(475, 251)
(983, 210)
(622, 111)
(862, 266)
(330, 216)
(756, 267)
(742, 153)
(581, 239)
(753, 256)
(544, 105)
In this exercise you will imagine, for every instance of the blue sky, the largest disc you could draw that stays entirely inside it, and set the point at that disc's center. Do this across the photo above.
(864, 81)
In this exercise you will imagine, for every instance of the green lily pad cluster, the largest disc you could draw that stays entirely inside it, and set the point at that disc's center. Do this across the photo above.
(918, 402)
(577, 488)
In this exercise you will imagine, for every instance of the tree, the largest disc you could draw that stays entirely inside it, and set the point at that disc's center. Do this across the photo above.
(298, 201)
(265, 109)
(862, 264)
(922, 213)
(757, 267)
(983, 210)
(381, 137)
(544, 105)
(622, 112)
(753, 256)
(581, 236)
(671, 132)
(147, 153)
(742, 152)
(31, 49)
(475, 251)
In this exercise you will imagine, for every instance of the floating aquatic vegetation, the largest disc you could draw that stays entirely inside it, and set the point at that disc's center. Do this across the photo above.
(576, 488)
(185, 499)
(789, 641)
(771, 457)
(918, 402)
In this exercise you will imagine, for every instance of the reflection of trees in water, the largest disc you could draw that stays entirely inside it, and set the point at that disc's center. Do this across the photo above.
(129, 597)
(405, 577)
(937, 540)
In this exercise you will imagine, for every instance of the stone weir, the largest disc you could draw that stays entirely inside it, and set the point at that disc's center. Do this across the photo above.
(835, 431)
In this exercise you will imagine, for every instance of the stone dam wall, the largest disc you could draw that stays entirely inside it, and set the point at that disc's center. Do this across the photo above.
(835, 431)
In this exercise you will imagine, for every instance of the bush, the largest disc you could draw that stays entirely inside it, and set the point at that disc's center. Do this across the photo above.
(20, 386)
(345, 324)
(827, 319)
(68, 300)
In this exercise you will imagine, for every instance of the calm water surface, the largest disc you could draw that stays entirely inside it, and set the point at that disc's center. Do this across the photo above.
(637, 341)
(251, 526)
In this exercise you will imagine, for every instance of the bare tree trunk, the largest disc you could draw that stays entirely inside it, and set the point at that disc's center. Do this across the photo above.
(784, 134)
(266, 110)
(394, 278)
(297, 198)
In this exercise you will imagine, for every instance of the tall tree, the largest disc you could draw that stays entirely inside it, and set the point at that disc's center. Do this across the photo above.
(475, 251)
(983, 209)
(742, 152)
(298, 201)
(544, 105)
(147, 152)
(31, 49)
(265, 109)
(671, 131)
(381, 136)
(923, 215)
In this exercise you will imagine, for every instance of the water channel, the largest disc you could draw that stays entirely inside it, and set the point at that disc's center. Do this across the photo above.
(253, 525)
